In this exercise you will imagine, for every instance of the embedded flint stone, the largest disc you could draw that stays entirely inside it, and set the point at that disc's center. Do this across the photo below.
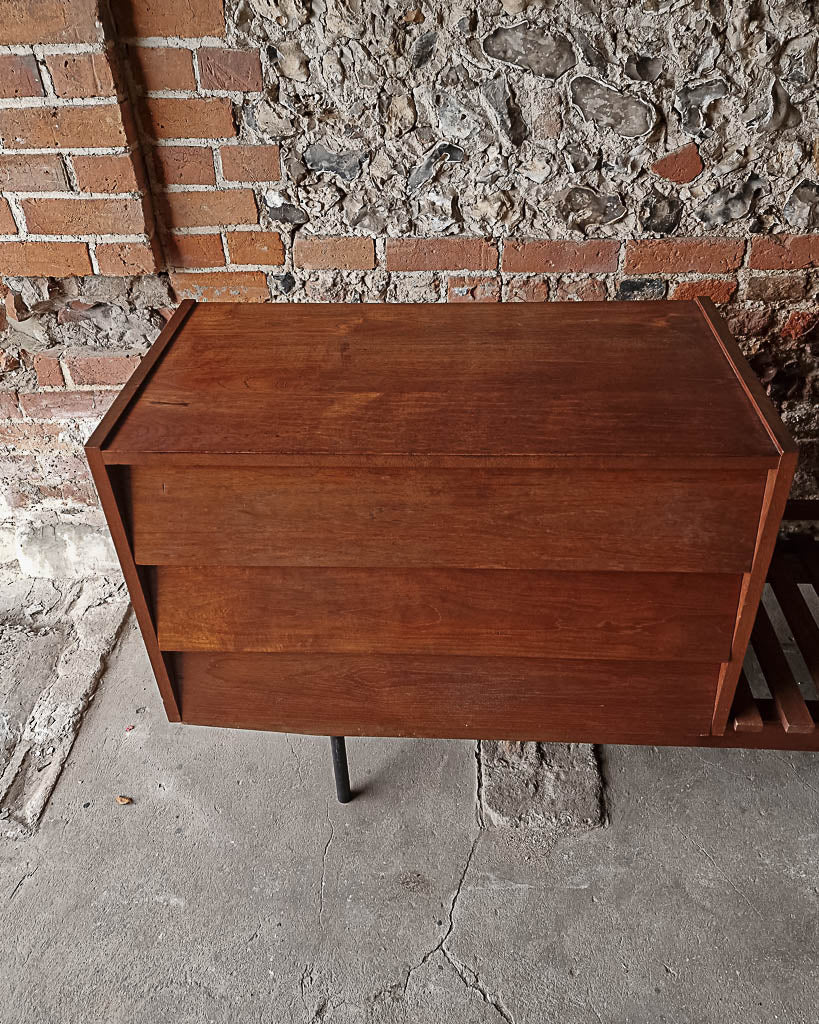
(544, 54)
(640, 289)
(780, 112)
(727, 204)
(625, 114)
(802, 206)
(582, 207)
(504, 110)
(443, 151)
(424, 48)
(660, 214)
(643, 69)
(692, 103)
(345, 165)
(281, 211)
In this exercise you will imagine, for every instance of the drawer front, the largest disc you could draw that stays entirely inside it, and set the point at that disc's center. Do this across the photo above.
(529, 613)
(490, 698)
(637, 521)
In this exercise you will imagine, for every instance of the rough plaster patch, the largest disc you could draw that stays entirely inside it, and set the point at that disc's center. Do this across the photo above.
(540, 787)
(54, 640)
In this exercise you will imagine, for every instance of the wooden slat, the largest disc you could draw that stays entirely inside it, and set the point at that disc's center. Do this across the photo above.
(746, 714)
(799, 617)
(134, 575)
(630, 616)
(776, 493)
(790, 703)
(640, 521)
(508, 698)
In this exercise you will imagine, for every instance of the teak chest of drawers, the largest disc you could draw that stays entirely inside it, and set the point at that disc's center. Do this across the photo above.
(517, 521)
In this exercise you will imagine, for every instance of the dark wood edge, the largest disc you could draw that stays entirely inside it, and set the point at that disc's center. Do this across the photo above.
(802, 510)
(133, 581)
(615, 463)
(777, 489)
(132, 386)
(762, 405)
(770, 737)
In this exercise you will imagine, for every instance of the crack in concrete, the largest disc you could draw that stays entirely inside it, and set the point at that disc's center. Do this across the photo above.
(439, 946)
(295, 756)
(479, 784)
(468, 975)
(23, 880)
(327, 845)
(720, 871)
(475, 985)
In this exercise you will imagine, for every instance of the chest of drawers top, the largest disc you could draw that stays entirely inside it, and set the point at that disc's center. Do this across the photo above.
(511, 384)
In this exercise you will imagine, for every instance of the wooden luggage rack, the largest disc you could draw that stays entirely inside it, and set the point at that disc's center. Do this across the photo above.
(784, 718)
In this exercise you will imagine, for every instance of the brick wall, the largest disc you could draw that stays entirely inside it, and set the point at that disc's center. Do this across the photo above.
(265, 151)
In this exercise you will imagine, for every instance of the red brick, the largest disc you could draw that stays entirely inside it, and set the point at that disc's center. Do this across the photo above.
(7, 222)
(44, 259)
(9, 409)
(681, 166)
(190, 19)
(546, 257)
(84, 216)
(62, 127)
(106, 173)
(441, 254)
(239, 286)
(184, 165)
(121, 259)
(19, 76)
(210, 118)
(66, 405)
(334, 253)
(192, 251)
(262, 248)
(528, 289)
(250, 163)
(784, 252)
(81, 74)
(30, 173)
(27, 436)
(49, 21)
(800, 324)
(48, 370)
(161, 67)
(100, 369)
(686, 255)
(473, 289)
(587, 289)
(230, 70)
(209, 209)
(718, 289)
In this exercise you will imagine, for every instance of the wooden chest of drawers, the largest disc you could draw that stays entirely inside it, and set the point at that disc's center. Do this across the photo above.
(520, 521)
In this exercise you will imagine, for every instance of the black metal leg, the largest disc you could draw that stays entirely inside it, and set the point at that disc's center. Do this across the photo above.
(340, 770)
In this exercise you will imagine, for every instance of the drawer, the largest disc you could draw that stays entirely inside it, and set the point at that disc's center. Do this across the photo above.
(639, 521)
(499, 613)
(490, 698)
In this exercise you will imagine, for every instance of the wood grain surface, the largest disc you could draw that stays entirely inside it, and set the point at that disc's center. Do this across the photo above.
(649, 521)
(519, 379)
(500, 698)
(448, 611)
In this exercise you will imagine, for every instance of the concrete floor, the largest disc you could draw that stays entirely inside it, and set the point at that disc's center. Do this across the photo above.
(234, 888)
